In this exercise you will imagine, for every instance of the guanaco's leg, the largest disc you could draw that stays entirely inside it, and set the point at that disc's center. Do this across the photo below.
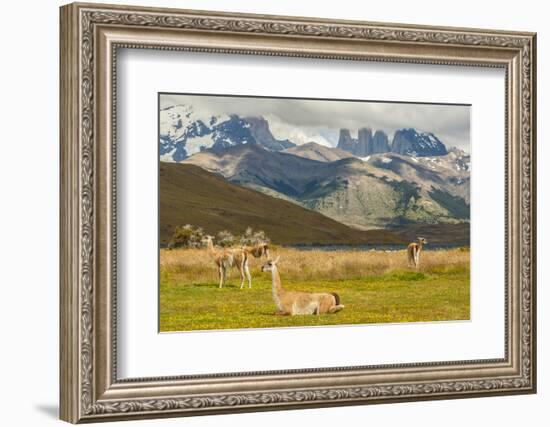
(224, 276)
(241, 270)
(335, 308)
(220, 274)
(247, 272)
(410, 256)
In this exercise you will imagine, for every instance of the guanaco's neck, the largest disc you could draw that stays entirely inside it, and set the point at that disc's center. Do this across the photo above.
(210, 246)
(252, 249)
(276, 281)
(420, 246)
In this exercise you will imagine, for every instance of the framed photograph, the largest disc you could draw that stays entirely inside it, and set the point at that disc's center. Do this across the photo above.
(266, 212)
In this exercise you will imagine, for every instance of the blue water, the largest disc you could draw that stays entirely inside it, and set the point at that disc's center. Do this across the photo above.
(331, 248)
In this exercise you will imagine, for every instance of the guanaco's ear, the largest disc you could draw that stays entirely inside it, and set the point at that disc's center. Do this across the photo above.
(276, 260)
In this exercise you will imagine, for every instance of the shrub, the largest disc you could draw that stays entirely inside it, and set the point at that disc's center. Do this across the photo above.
(189, 236)
(225, 239)
(251, 237)
(186, 237)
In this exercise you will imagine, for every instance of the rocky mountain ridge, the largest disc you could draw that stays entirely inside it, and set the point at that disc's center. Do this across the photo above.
(405, 141)
(183, 131)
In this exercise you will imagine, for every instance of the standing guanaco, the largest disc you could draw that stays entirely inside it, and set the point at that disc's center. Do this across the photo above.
(293, 303)
(227, 258)
(413, 251)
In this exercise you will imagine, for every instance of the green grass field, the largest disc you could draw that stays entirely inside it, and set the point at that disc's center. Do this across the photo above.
(375, 287)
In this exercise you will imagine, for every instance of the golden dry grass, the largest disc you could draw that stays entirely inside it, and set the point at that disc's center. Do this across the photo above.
(375, 286)
(195, 265)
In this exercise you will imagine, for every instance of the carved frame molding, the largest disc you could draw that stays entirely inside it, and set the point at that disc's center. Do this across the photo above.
(90, 37)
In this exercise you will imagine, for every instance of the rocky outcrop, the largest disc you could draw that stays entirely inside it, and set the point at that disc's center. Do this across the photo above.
(407, 142)
(259, 128)
(380, 143)
(346, 142)
(364, 142)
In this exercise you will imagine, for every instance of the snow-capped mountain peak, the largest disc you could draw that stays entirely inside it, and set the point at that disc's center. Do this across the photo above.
(184, 132)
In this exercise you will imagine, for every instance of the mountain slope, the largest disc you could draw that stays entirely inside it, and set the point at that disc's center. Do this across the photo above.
(449, 173)
(375, 192)
(191, 195)
(257, 167)
(321, 153)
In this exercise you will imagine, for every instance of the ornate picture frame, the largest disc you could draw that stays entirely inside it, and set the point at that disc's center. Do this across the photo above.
(90, 37)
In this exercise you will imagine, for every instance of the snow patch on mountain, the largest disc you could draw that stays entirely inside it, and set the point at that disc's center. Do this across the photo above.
(197, 144)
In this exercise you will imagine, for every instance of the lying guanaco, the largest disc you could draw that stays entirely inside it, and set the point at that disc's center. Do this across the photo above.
(227, 258)
(293, 303)
(413, 251)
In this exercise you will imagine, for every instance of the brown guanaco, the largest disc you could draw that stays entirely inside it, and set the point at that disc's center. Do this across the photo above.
(413, 251)
(226, 258)
(294, 303)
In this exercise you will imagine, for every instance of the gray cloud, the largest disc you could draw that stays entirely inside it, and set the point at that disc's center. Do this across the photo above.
(305, 120)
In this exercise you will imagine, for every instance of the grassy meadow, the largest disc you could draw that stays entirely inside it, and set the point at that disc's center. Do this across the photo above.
(374, 286)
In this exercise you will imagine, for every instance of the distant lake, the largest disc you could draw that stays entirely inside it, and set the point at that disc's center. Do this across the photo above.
(381, 247)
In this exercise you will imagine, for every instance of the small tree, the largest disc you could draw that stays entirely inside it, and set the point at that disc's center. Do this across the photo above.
(225, 239)
(251, 237)
(186, 236)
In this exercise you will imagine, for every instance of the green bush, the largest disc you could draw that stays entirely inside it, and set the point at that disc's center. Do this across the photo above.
(186, 236)
(251, 237)
(189, 236)
(226, 239)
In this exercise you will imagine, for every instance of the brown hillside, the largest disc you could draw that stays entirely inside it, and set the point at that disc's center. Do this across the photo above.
(191, 195)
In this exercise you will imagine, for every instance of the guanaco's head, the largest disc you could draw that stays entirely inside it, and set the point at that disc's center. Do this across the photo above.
(258, 250)
(422, 240)
(268, 266)
(264, 250)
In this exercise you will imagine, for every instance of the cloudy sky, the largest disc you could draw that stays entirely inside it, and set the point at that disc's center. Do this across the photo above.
(303, 121)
